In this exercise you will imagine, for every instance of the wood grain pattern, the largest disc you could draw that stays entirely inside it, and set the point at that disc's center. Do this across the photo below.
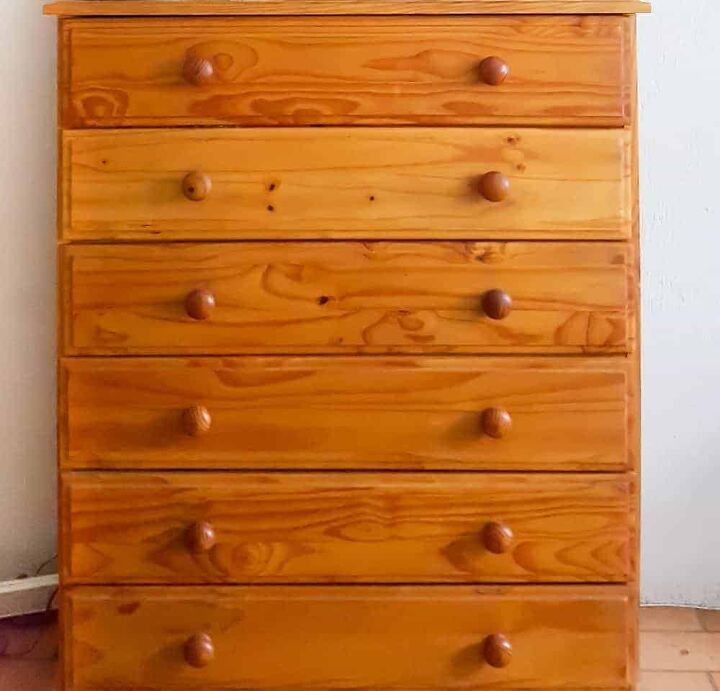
(320, 7)
(339, 70)
(340, 413)
(634, 399)
(346, 182)
(347, 297)
(334, 528)
(38, 674)
(382, 413)
(347, 637)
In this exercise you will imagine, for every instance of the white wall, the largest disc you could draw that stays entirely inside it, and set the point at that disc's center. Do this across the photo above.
(27, 267)
(680, 149)
(680, 97)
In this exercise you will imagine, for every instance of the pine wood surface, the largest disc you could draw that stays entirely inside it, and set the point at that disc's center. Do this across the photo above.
(368, 412)
(330, 7)
(346, 413)
(339, 70)
(346, 182)
(392, 637)
(330, 528)
(672, 639)
(346, 297)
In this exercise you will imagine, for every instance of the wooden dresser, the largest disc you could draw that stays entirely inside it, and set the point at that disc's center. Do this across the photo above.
(348, 345)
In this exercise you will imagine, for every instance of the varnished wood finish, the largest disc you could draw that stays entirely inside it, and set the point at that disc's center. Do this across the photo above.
(369, 637)
(199, 650)
(496, 422)
(197, 69)
(360, 70)
(343, 182)
(350, 413)
(254, 517)
(496, 304)
(494, 70)
(494, 186)
(199, 304)
(498, 538)
(662, 629)
(199, 538)
(344, 527)
(635, 384)
(347, 297)
(115, 8)
(196, 420)
(196, 186)
(497, 650)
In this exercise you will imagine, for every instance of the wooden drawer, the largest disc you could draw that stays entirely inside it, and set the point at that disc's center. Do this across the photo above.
(344, 527)
(347, 297)
(347, 637)
(384, 413)
(346, 183)
(336, 70)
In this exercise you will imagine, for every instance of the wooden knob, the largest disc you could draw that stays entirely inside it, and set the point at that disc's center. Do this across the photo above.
(200, 537)
(196, 186)
(496, 304)
(496, 422)
(199, 304)
(196, 420)
(199, 650)
(497, 650)
(198, 70)
(498, 538)
(494, 70)
(494, 186)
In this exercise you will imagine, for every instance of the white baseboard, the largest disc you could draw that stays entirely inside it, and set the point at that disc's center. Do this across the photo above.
(26, 595)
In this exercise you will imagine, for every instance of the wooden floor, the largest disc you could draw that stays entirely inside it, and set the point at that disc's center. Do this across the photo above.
(679, 651)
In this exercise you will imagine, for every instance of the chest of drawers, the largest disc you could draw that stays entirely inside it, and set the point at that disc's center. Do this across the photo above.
(348, 359)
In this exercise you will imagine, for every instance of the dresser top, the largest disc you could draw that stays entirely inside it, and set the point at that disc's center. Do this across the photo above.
(339, 7)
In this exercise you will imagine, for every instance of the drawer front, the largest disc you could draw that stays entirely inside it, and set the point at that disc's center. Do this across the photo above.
(347, 297)
(347, 637)
(339, 413)
(330, 71)
(345, 183)
(325, 528)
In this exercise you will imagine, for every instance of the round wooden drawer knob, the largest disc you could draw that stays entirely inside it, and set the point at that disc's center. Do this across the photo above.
(196, 420)
(200, 537)
(494, 186)
(498, 538)
(199, 304)
(196, 186)
(496, 422)
(199, 650)
(497, 650)
(496, 304)
(494, 70)
(197, 70)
